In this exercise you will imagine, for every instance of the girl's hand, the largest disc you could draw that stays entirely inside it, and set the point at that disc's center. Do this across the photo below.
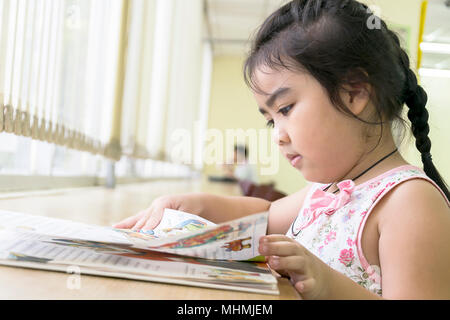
(307, 272)
(149, 218)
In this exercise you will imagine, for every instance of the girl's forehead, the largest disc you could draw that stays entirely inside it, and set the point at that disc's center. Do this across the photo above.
(269, 80)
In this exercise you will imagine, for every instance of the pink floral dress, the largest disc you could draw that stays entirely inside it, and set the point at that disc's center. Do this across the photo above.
(330, 225)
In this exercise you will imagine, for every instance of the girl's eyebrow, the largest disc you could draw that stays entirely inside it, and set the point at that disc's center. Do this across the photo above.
(278, 93)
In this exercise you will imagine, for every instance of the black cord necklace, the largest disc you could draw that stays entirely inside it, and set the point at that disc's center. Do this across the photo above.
(390, 154)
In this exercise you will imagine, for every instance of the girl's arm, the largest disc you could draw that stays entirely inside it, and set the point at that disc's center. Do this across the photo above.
(414, 245)
(218, 208)
(281, 212)
(414, 251)
(215, 208)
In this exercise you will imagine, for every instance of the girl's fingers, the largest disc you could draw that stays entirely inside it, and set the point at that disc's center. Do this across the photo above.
(287, 254)
(275, 238)
(280, 248)
(292, 263)
(127, 223)
(141, 222)
(306, 285)
(152, 221)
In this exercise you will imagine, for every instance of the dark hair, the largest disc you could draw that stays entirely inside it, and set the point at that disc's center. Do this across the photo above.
(333, 41)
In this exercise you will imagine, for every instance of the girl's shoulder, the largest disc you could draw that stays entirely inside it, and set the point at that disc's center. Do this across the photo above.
(405, 183)
(405, 192)
(412, 222)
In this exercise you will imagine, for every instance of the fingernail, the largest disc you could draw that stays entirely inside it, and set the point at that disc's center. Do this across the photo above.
(262, 248)
(274, 261)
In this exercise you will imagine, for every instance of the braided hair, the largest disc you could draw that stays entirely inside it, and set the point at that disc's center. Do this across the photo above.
(332, 41)
(416, 99)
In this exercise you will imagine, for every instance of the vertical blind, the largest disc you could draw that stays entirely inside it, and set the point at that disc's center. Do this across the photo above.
(45, 71)
(108, 77)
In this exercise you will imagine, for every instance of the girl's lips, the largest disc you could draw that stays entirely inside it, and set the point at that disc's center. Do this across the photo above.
(294, 159)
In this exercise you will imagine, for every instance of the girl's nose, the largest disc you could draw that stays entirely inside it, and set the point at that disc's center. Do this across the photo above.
(280, 137)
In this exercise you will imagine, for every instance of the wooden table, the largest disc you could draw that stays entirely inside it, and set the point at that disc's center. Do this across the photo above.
(103, 206)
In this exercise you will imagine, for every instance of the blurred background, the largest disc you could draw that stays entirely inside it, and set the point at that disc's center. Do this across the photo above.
(105, 92)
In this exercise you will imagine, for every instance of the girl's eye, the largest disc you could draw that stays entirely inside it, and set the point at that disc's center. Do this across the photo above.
(270, 124)
(284, 111)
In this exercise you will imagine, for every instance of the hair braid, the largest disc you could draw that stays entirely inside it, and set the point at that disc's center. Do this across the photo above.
(416, 99)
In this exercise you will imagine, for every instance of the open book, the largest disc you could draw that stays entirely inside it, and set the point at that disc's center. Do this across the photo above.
(183, 249)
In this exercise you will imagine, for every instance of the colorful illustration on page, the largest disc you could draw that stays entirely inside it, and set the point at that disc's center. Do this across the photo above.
(213, 235)
(187, 225)
(237, 245)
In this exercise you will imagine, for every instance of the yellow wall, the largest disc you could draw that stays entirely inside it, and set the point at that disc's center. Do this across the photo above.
(232, 105)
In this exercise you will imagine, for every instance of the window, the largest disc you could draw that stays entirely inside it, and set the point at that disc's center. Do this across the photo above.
(77, 74)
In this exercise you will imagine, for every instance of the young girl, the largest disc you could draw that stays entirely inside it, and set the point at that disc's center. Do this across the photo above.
(371, 225)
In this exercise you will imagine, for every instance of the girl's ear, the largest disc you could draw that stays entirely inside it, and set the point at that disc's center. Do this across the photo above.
(356, 97)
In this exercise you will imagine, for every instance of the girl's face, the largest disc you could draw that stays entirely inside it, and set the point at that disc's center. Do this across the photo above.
(316, 138)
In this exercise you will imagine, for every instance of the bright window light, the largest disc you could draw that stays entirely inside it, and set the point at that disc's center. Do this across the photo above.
(437, 73)
(432, 47)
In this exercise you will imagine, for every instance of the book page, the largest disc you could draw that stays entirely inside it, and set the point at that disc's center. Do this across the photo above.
(234, 240)
(176, 222)
(18, 247)
(179, 233)
(60, 228)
